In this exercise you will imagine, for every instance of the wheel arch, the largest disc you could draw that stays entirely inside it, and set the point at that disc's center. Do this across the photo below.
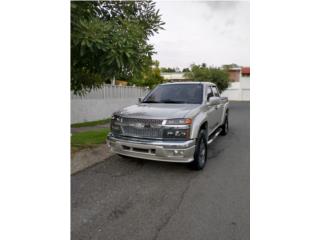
(204, 126)
(225, 112)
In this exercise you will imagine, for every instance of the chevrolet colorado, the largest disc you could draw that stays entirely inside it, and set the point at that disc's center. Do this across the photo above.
(175, 122)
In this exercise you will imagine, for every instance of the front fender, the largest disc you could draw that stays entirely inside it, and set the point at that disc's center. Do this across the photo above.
(225, 109)
(197, 122)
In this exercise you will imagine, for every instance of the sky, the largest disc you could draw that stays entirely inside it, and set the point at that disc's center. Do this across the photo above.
(213, 32)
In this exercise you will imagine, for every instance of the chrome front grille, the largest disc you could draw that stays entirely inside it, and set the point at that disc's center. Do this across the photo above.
(140, 120)
(143, 128)
(143, 133)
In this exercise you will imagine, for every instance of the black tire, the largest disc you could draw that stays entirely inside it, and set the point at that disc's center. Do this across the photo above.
(200, 153)
(225, 126)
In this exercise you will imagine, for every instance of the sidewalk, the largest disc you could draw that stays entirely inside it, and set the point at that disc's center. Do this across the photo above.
(88, 157)
(91, 155)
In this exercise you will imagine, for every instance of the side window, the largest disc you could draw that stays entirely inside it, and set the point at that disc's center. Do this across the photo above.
(215, 91)
(209, 93)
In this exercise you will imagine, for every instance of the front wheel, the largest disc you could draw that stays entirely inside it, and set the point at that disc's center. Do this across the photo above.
(200, 154)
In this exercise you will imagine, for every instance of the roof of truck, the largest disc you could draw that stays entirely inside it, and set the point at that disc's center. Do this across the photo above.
(206, 83)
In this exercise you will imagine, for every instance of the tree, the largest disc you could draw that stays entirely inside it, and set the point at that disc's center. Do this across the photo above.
(203, 73)
(203, 65)
(186, 70)
(150, 77)
(168, 70)
(109, 39)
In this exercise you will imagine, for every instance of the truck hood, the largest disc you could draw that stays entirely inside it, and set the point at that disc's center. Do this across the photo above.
(157, 110)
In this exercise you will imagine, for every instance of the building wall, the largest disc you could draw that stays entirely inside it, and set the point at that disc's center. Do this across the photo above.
(238, 91)
(245, 82)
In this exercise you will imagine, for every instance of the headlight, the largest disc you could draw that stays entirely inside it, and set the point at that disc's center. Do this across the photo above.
(177, 128)
(114, 123)
(179, 121)
(116, 118)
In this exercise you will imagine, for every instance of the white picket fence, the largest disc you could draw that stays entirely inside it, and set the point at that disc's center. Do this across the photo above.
(101, 103)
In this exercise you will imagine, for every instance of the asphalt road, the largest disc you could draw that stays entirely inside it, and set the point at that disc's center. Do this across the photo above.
(139, 199)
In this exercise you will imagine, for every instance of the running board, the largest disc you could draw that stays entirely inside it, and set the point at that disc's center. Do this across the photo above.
(214, 135)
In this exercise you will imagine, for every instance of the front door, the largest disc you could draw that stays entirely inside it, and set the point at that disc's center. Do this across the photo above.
(211, 111)
(219, 106)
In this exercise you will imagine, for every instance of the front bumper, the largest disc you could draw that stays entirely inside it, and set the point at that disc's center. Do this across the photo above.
(173, 151)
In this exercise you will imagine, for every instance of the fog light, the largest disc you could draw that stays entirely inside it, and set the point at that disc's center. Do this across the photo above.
(178, 152)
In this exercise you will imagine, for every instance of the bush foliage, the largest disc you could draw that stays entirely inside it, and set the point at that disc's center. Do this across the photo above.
(203, 73)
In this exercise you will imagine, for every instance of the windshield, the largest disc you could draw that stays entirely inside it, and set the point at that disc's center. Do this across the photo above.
(176, 93)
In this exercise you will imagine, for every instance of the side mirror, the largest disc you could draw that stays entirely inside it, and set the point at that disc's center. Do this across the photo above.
(140, 99)
(214, 101)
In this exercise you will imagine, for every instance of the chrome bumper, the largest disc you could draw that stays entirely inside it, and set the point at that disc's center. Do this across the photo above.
(177, 151)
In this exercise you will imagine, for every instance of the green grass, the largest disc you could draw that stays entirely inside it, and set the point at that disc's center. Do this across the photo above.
(90, 124)
(88, 139)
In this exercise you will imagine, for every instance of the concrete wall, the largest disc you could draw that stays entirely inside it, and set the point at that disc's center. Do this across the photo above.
(245, 82)
(239, 91)
(100, 104)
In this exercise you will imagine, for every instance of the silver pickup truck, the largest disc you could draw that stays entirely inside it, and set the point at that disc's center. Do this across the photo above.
(175, 122)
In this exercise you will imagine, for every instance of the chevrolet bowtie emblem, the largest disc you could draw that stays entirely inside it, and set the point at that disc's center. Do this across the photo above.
(138, 125)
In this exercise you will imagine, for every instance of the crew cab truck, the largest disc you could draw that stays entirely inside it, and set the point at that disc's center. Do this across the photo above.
(175, 122)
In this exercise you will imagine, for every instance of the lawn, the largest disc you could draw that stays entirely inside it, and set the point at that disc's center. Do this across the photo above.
(90, 124)
(88, 139)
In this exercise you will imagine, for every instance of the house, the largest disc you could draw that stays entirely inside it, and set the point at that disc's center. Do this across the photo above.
(174, 77)
(239, 89)
(121, 83)
(234, 74)
(245, 71)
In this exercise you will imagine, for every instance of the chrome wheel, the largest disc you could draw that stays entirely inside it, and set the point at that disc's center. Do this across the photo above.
(202, 153)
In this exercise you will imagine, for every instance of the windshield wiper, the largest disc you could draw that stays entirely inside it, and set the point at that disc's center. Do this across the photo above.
(150, 101)
(172, 101)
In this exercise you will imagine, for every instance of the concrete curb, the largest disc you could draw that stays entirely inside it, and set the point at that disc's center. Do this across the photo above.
(90, 128)
(88, 157)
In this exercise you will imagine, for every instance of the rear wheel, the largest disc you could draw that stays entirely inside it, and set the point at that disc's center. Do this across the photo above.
(200, 154)
(225, 126)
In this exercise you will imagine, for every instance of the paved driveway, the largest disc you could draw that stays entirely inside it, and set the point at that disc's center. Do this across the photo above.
(139, 199)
